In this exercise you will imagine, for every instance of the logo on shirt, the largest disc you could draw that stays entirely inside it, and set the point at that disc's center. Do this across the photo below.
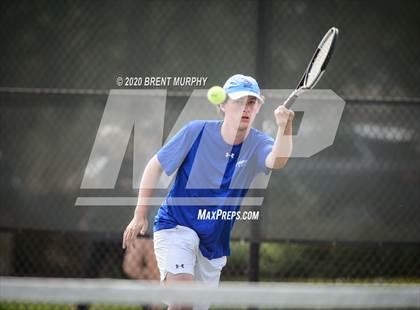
(241, 163)
(229, 155)
(179, 266)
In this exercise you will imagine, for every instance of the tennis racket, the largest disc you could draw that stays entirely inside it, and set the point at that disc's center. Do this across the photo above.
(316, 67)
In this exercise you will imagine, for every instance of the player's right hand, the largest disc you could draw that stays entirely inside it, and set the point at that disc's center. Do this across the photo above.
(138, 225)
(283, 115)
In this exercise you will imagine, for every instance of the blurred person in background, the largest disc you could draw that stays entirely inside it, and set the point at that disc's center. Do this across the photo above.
(140, 261)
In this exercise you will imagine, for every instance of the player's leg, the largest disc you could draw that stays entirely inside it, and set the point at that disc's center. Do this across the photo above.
(175, 251)
(177, 278)
(208, 272)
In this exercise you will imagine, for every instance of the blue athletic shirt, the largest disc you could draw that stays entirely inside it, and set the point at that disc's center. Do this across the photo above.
(209, 169)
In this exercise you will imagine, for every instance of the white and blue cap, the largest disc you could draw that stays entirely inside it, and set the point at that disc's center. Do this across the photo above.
(238, 86)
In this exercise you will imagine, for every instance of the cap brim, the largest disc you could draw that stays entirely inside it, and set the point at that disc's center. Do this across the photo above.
(240, 94)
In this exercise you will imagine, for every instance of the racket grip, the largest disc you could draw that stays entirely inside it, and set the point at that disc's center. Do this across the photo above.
(290, 100)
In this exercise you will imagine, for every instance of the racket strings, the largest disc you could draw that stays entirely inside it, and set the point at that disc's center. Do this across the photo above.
(319, 61)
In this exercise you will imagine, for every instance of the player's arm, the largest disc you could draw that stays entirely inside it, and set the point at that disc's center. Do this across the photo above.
(283, 144)
(139, 223)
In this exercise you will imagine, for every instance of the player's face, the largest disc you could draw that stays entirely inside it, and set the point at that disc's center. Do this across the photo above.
(242, 111)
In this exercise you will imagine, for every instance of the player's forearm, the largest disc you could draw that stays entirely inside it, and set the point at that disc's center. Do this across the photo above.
(282, 148)
(148, 183)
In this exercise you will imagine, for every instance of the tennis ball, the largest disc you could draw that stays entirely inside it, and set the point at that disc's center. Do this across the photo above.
(216, 95)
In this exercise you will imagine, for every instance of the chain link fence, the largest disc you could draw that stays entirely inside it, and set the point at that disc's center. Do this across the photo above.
(348, 213)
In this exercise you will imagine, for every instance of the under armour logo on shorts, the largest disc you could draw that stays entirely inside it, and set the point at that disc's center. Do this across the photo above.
(179, 266)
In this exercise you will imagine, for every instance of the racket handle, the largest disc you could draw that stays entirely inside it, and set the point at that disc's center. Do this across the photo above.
(291, 99)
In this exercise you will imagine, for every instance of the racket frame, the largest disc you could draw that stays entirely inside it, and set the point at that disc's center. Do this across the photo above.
(301, 87)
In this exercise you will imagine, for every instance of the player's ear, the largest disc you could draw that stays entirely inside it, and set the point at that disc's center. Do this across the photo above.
(222, 106)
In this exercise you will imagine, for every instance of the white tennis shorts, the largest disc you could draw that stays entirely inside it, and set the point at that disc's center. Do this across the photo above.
(177, 251)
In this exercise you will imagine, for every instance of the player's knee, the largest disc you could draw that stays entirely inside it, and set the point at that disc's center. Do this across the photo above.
(171, 277)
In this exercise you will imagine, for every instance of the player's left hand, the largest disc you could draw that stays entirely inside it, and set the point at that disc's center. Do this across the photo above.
(283, 115)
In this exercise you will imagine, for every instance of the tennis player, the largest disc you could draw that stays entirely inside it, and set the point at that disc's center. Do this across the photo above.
(216, 162)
